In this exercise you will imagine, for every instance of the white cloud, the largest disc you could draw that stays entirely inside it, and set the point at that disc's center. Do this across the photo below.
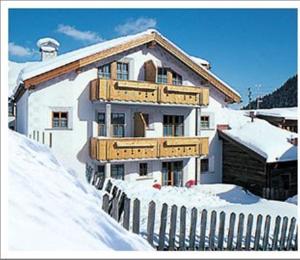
(135, 26)
(79, 35)
(18, 50)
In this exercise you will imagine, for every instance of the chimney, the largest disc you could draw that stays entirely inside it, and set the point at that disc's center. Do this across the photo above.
(223, 127)
(48, 48)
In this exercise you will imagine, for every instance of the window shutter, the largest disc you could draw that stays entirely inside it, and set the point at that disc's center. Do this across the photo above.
(211, 163)
(150, 71)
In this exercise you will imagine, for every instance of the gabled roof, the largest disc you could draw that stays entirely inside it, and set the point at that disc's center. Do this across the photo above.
(74, 60)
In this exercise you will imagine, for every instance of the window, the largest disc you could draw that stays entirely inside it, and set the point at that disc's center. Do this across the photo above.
(118, 124)
(10, 109)
(143, 169)
(177, 79)
(101, 124)
(122, 71)
(173, 125)
(60, 119)
(104, 72)
(117, 171)
(204, 165)
(162, 76)
(204, 122)
(172, 173)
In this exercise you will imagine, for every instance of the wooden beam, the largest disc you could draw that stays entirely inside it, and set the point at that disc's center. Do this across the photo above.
(113, 70)
(169, 77)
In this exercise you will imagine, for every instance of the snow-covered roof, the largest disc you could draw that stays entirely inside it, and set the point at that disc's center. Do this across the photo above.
(289, 113)
(14, 70)
(260, 136)
(200, 61)
(63, 59)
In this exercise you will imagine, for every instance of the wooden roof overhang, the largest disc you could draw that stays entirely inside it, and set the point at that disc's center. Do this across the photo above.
(151, 39)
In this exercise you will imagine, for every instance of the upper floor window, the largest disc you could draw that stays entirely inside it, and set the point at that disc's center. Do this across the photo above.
(173, 125)
(176, 79)
(104, 71)
(204, 122)
(122, 71)
(118, 124)
(60, 119)
(162, 76)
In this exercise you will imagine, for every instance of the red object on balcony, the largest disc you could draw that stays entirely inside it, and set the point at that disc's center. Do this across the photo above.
(190, 183)
(156, 186)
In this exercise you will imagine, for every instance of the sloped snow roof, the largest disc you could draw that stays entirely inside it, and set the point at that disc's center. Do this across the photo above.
(72, 56)
(289, 113)
(14, 70)
(260, 136)
(199, 61)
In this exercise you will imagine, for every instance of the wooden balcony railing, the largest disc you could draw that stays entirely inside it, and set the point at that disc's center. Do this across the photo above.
(140, 91)
(106, 149)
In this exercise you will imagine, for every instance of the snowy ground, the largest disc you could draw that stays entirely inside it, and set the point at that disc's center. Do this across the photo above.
(219, 197)
(51, 209)
(293, 200)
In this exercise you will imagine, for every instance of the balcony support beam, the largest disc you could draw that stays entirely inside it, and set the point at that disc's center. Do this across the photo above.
(108, 119)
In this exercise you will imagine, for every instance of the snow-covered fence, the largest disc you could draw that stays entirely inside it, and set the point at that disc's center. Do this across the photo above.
(213, 233)
(41, 137)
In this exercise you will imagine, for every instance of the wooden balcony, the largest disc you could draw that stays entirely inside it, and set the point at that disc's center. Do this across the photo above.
(146, 92)
(107, 149)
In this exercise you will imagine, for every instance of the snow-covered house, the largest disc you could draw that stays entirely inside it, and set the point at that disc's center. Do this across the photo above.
(135, 107)
(259, 156)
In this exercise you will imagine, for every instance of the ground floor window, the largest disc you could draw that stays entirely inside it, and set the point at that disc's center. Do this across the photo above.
(204, 165)
(172, 173)
(117, 171)
(60, 119)
(143, 169)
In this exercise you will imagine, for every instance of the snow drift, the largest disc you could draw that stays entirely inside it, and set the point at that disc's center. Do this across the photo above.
(51, 209)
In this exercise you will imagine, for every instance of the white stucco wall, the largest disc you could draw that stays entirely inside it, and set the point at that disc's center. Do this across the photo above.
(22, 114)
(71, 92)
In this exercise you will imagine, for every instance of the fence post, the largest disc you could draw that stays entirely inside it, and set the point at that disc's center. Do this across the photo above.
(163, 225)
(202, 229)
(50, 140)
(283, 233)
(126, 215)
(121, 204)
(43, 138)
(213, 219)
(257, 232)
(172, 231)
(136, 217)
(276, 233)
(105, 202)
(266, 233)
(108, 186)
(248, 232)
(291, 233)
(182, 228)
(240, 232)
(115, 209)
(150, 223)
(194, 215)
(221, 231)
(296, 240)
(37, 136)
(33, 135)
(230, 231)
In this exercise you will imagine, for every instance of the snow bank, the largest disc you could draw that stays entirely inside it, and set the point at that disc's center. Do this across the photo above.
(293, 200)
(269, 141)
(51, 209)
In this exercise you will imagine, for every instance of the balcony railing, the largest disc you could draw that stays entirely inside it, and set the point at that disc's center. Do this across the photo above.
(106, 149)
(146, 92)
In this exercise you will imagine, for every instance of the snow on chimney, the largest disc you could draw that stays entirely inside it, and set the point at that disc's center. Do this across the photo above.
(48, 48)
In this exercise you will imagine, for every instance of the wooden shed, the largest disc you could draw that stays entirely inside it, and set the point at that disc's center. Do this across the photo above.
(245, 167)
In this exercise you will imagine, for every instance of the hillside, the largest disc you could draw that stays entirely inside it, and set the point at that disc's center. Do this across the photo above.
(285, 96)
(52, 209)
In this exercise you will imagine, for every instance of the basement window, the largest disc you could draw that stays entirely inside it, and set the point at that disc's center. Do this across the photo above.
(59, 119)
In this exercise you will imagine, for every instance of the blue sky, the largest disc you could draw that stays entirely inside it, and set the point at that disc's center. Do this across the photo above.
(246, 47)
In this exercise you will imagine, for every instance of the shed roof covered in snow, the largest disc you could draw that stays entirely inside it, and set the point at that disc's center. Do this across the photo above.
(268, 141)
(288, 113)
(73, 60)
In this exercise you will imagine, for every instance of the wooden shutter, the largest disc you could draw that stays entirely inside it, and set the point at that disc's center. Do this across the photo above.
(150, 71)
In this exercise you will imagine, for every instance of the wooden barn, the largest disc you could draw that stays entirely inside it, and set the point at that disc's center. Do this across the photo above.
(246, 165)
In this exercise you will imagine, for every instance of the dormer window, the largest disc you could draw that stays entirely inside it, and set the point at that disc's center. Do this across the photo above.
(176, 78)
(162, 75)
(122, 71)
(104, 72)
